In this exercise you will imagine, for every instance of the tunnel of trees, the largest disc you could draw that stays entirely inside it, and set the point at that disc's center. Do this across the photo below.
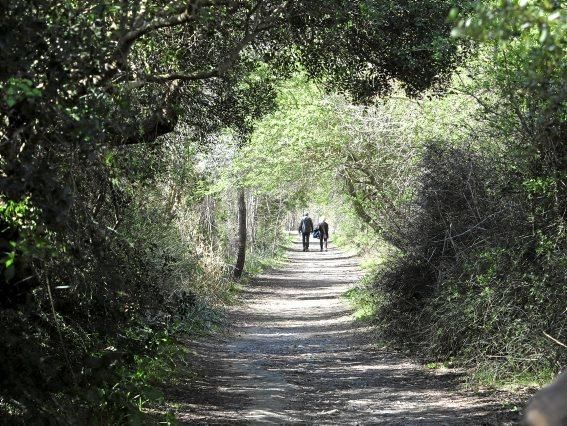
(152, 152)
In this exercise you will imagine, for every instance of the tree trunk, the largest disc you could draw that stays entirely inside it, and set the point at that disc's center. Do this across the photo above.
(241, 256)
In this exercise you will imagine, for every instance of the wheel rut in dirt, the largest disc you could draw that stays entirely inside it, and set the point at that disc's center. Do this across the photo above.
(298, 356)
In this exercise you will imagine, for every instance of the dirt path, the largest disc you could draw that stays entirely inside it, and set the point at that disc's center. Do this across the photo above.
(298, 356)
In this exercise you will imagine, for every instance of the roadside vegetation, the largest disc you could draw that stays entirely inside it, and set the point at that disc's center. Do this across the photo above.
(152, 153)
(480, 273)
(457, 201)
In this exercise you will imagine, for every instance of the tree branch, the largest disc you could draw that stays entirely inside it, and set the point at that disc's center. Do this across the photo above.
(162, 121)
(220, 68)
(163, 78)
(182, 16)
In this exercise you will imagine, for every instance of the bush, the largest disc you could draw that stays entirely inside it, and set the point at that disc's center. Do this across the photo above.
(483, 282)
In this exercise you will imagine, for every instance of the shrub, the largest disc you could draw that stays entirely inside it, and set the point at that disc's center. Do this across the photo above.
(483, 281)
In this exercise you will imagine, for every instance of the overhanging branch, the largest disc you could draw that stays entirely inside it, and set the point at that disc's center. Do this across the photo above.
(182, 16)
(164, 78)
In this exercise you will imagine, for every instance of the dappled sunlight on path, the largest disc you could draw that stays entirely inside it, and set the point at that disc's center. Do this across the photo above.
(297, 355)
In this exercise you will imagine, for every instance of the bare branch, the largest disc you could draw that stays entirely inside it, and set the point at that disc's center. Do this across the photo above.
(554, 339)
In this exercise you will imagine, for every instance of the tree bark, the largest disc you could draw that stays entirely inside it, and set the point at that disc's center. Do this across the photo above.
(241, 256)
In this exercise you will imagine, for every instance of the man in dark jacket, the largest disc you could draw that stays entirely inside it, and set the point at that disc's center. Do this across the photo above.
(305, 228)
(323, 228)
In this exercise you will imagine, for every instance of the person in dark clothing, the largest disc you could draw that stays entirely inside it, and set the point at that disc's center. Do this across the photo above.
(323, 228)
(305, 228)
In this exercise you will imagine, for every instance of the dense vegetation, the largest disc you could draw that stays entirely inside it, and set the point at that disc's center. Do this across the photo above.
(147, 149)
(462, 196)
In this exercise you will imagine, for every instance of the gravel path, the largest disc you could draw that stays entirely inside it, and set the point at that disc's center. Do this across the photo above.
(297, 356)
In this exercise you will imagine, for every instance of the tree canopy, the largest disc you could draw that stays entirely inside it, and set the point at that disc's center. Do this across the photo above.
(146, 145)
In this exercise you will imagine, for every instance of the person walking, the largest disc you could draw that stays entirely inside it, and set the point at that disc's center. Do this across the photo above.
(323, 228)
(305, 228)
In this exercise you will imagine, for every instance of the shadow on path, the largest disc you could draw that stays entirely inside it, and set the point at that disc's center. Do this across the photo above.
(297, 356)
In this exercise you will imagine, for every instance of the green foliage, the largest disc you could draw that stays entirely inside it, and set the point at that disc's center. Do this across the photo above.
(480, 273)
(505, 21)
(493, 375)
(299, 138)
(22, 239)
(483, 289)
(364, 47)
(523, 63)
(19, 89)
(128, 127)
(119, 391)
(365, 303)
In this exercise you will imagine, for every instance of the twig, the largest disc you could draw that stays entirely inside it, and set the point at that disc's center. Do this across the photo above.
(554, 339)
(514, 358)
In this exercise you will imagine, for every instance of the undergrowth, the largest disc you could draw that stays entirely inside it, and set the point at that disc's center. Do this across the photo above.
(480, 334)
(105, 327)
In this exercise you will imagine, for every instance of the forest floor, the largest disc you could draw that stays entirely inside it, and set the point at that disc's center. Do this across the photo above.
(297, 355)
